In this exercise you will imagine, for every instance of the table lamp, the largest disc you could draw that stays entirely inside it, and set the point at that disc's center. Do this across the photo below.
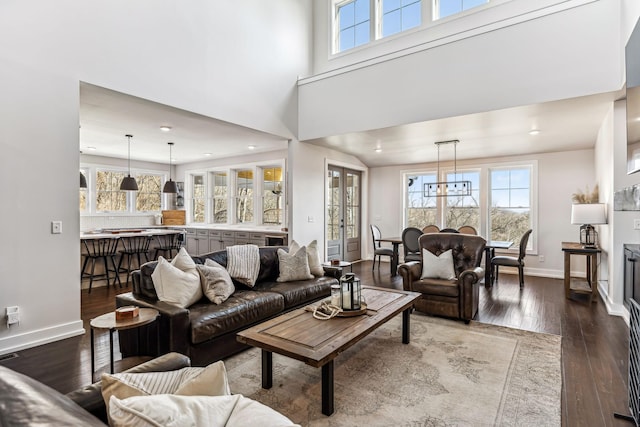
(586, 215)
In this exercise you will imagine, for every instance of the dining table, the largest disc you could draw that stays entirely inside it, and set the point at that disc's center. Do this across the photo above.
(489, 253)
(395, 242)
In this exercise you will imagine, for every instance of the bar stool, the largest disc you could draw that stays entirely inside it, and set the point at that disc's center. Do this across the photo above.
(167, 243)
(134, 246)
(105, 249)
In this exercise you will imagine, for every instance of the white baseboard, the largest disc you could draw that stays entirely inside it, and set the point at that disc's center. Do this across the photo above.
(41, 336)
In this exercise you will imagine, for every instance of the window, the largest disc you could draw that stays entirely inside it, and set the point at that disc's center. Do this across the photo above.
(353, 24)
(244, 196)
(84, 193)
(109, 197)
(421, 210)
(510, 214)
(272, 195)
(444, 8)
(198, 197)
(463, 210)
(220, 201)
(149, 195)
(399, 15)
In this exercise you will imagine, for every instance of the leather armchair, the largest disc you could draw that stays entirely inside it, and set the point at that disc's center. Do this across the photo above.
(456, 298)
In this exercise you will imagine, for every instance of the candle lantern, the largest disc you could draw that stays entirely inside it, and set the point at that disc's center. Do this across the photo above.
(350, 292)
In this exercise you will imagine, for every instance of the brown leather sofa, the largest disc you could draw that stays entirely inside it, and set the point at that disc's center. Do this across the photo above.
(206, 332)
(25, 401)
(450, 298)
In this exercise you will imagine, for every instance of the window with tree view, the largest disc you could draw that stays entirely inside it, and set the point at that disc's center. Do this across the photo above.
(272, 195)
(463, 210)
(220, 201)
(244, 196)
(510, 201)
(198, 197)
(149, 194)
(109, 197)
(421, 210)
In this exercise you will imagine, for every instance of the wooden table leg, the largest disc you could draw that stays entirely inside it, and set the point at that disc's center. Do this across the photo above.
(267, 369)
(394, 259)
(487, 267)
(567, 274)
(406, 325)
(592, 262)
(327, 388)
(93, 356)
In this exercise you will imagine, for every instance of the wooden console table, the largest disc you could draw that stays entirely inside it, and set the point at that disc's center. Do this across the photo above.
(591, 288)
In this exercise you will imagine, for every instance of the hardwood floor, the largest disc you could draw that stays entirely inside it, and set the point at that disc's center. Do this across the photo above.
(594, 344)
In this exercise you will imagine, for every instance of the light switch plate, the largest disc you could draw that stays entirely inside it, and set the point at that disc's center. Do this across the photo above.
(56, 227)
(636, 224)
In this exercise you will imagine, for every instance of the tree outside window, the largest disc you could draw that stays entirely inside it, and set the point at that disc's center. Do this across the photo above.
(510, 201)
(149, 195)
(244, 196)
(109, 197)
(220, 201)
(272, 195)
(421, 210)
(463, 210)
(198, 198)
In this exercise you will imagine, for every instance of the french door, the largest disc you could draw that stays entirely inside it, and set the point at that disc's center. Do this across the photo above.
(343, 214)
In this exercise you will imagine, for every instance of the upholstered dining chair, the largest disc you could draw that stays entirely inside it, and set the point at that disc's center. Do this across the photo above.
(378, 250)
(410, 244)
(467, 229)
(511, 261)
(449, 230)
(430, 229)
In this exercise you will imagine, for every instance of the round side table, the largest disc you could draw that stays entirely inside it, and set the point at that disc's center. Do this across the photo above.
(108, 321)
(342, 264)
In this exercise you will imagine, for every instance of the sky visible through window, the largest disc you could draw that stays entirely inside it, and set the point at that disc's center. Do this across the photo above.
(400, 15)
(510, 188)
(451, 7)
(354, 18)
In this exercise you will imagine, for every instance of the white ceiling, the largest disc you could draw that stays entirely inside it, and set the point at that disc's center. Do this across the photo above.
(106, 116)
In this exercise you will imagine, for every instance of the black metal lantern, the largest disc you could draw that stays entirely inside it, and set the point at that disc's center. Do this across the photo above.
(350, 292)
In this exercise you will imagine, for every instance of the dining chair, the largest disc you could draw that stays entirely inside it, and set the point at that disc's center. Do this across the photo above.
(449, 230)
(467, 229)
(430, 229)
(410, 244)
(378, 250)
(510, 261)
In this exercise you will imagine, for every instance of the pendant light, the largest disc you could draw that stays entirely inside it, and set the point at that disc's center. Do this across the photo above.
(448, 188)
(83, 181)
(170, 186)
(129, 183)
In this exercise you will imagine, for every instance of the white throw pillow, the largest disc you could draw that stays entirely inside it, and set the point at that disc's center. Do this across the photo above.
(190, 381)
(437, 267)
(294, 266)
(177, 411)
(315, 265)
(175, 286)
(215, 281)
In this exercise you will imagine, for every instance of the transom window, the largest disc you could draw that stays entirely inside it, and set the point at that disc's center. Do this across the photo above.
(444, 8)
(399, 15)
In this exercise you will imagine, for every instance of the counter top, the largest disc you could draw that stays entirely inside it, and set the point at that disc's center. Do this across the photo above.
(255, 228)
(123, 232)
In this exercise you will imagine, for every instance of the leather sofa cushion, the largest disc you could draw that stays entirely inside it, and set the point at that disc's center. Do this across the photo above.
(301, 291)
(26, 402)
(243, 308)
(442, 287)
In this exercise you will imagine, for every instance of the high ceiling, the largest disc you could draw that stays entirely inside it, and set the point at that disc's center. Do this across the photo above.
(106, 116)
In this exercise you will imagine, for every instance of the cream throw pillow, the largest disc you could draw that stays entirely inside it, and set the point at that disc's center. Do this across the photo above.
(215, 281)
(315, 265)
(243, 263)
(178, 411)
(175, 286)
(293, 266)
(437, 267)
(191, 381)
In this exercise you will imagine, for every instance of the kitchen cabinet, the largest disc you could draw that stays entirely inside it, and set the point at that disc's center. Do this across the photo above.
(197, 241)
(631, 273)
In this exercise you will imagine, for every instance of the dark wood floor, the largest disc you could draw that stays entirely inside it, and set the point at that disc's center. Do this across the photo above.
(594, 344)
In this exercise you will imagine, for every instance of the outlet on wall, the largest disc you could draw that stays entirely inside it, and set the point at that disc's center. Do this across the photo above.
(541, 258)
(636, 224)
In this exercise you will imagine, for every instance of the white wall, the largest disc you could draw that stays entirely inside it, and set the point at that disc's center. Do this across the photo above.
(534, 61)
(235, 61)
(559, 176)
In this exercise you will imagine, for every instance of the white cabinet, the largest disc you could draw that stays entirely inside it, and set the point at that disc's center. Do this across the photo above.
(197, 241)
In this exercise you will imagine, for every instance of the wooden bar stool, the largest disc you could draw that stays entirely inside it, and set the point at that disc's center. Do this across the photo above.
(134, 246)
(167, 243)
(104, 249)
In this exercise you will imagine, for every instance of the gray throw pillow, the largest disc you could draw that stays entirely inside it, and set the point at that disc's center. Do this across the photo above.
(215, 281)
(294, 266)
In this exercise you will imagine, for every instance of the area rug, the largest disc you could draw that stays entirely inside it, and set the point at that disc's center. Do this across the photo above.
(451, 374)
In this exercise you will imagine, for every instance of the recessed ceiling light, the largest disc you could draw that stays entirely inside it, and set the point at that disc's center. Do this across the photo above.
(208, 154)
(251, 147)
(378, 150)
(534, 132)
(91, 148)
(165, 128)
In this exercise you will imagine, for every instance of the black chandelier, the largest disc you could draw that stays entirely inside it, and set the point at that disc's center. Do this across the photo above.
(448, 188)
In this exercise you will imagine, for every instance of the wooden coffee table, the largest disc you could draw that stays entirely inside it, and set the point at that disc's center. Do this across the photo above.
(300, 336)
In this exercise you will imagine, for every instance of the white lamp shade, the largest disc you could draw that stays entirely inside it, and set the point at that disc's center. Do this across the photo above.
(591, 213)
